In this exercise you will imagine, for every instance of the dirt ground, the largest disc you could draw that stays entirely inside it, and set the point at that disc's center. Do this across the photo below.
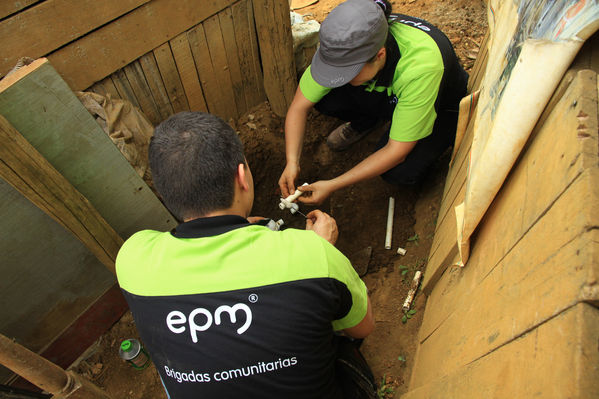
(360, 211)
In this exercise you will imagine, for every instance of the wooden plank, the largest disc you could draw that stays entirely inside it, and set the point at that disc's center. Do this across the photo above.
(276, 50)
(39, 104)
(199, 48)
(41, 29)
(556, 360)
(137, 80)
(226, 109)
(257, 64)
(188, 73)
(123, 87)
(105, 50)
(232, 53)
(480, 66)
(170, 77)
(10, 7)
(553, 267)
(106, 87)
(527, 194)
(29, 171)
(152, 74)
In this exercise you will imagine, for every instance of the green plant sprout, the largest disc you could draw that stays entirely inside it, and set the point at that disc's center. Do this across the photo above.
(408, 315)
(384, 390)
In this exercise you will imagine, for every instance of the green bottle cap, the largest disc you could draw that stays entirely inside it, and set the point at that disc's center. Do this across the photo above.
(126, 345)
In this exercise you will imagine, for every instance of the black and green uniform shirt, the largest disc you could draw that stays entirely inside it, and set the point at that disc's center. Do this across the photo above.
(411, 77)
(231, 309)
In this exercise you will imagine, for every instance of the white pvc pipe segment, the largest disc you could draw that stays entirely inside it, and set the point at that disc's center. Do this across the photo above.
(390, 223)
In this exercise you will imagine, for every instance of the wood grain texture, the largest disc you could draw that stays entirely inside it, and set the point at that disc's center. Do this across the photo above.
(103, 51)
(232, 54)
(170, 77)
(249, 57)
(45, 111)
(156, 85)
(555, 360)
(11, 7)
(276, 50)
(188, 73)
(27, 171)
(139, 85)
(123, 87)
(39, 30)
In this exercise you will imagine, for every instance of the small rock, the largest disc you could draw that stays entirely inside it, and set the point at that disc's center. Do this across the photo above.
(251, 125)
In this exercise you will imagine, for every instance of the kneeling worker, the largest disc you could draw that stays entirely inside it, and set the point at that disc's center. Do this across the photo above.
(226, 307)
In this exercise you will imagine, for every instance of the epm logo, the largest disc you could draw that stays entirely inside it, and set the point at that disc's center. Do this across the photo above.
(201, 319)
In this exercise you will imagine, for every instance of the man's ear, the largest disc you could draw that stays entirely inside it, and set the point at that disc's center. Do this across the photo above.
(241, 177)
(381, 53)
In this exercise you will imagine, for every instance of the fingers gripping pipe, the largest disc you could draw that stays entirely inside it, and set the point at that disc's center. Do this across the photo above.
(288, 202)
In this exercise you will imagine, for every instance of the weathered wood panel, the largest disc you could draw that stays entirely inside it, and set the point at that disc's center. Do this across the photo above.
(123, 87)
(51, 24)
(28, 172)
(170, 77)
(273, 26)
(10, 7)
(154, 79)
(558, 359)
(188, 73)
(528, 193)
(232, 54)
(39, 104)
(139, 85)
(535, 243)
(117, 44)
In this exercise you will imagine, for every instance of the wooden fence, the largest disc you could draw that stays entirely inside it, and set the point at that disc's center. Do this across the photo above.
(164, 56)
(520, 319)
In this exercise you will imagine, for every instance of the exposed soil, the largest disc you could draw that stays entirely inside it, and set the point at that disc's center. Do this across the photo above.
(360, 211)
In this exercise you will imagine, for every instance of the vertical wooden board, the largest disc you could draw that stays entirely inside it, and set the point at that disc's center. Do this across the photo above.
(554, 266)
(276, 50)
(245, 36)
(39, 259)
(124, 87)
(114, 45)
(156, 85)
(559, 359)
(140, 88)
(226, 23)
(255, 48)
(199, 48)
(41, 106)
(106, 87)
(170, 77)
(188, 73)
(41, 29)
(480, 66)
(218, 56)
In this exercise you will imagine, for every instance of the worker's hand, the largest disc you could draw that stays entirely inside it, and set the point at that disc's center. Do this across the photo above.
(320, 192)
(254, 219)
(287, 179)
(323, 225)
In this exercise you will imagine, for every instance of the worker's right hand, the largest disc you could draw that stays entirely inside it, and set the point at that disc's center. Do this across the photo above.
(287, 179)
(323, 225)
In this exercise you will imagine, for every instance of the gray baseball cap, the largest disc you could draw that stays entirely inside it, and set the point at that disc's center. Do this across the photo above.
(350, 35)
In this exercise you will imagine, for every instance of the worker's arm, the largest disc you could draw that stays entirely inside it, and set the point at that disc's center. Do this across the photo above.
(392, 154)
(363, 328)
(295, 126)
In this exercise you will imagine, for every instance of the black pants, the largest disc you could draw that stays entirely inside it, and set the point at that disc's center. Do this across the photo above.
(364, 110)
(353, 373)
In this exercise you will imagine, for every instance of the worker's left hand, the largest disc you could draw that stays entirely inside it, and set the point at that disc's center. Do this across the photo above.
(320, 191)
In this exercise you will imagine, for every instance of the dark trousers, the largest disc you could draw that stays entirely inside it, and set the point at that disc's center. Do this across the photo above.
(364, 110)
(353, 373)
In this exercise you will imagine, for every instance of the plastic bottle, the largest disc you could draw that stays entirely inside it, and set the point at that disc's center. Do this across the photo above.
(133, 352)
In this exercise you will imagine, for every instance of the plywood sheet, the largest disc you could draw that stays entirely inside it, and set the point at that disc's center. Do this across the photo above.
(39, 104)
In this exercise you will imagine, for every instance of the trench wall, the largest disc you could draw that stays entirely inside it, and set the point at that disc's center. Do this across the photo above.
(521, 318)
(67, 196)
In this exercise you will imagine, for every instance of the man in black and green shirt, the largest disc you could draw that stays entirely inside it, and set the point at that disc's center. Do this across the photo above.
(227, 307)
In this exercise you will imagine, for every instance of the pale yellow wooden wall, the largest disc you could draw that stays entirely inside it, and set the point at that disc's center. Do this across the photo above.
(520, 320)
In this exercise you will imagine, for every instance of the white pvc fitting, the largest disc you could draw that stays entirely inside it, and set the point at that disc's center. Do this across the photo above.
(390, 223)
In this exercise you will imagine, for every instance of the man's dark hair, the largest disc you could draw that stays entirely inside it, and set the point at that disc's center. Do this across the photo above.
(194, 158)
